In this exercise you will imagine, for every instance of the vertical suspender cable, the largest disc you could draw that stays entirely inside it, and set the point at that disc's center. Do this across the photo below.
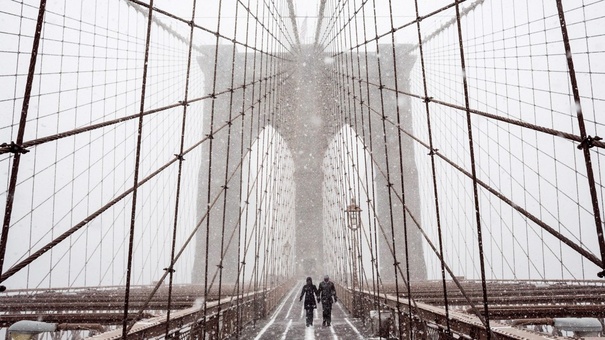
(374, 221)
(374, 270)
(242, 261)
(386, 156)
(401, 178)
(254, 281)
(10, 196)
(354, 142)
(433, 169)
(210, 149)
(473, 171)
(226, 177)
(136, 173)
(268, 156)
(180, 171)
(586, 140)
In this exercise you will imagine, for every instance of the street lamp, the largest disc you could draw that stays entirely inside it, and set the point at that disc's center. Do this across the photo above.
(353, 212)
(353, 215)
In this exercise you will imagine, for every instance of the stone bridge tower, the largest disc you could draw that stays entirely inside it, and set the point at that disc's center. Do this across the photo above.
(306, 95)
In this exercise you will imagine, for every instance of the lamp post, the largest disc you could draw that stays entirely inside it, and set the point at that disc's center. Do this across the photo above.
(353, 212)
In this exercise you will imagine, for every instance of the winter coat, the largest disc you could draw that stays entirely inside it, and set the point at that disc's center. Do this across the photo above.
(309, 291)
(327, 291)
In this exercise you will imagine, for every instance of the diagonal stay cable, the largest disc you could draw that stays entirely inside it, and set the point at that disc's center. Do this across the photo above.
(413, 22)
(204, 217)
(435, 250)
(38, 141)
(17, 267)
(207, 30)
(520, 123)
(524, 212)
(588, 255)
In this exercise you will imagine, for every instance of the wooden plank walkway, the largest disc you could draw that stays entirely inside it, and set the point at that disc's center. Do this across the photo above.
(288, 322)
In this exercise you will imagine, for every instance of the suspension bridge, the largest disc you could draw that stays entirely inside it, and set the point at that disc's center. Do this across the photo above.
(175, 169)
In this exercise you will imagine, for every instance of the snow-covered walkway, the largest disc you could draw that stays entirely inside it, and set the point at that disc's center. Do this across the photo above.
(288, 322)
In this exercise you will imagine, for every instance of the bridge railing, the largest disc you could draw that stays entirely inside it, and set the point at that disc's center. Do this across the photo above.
(223, 318)
(424, 322)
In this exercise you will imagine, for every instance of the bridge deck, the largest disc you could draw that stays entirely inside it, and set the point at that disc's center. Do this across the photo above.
(288, 322)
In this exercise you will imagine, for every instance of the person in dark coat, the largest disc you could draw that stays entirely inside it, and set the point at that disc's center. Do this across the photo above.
(309, 291)
(327, 292)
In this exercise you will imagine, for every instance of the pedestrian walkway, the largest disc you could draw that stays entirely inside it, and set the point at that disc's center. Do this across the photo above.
(288, 322)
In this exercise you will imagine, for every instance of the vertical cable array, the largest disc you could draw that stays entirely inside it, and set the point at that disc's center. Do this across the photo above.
(155, 148)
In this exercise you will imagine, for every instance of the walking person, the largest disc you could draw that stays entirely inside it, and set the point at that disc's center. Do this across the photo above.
(309, 291)
(326, 293)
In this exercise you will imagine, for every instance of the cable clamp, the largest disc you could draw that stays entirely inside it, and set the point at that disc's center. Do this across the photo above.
(432, 152)
(427, 99)
(179, 157)
(184, 103)
(170, 270)
(14, 148)
(588, 142)
(210, 136)
(601, 274)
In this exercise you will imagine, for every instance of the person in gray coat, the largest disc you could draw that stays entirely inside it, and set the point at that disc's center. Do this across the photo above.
(326, 293)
